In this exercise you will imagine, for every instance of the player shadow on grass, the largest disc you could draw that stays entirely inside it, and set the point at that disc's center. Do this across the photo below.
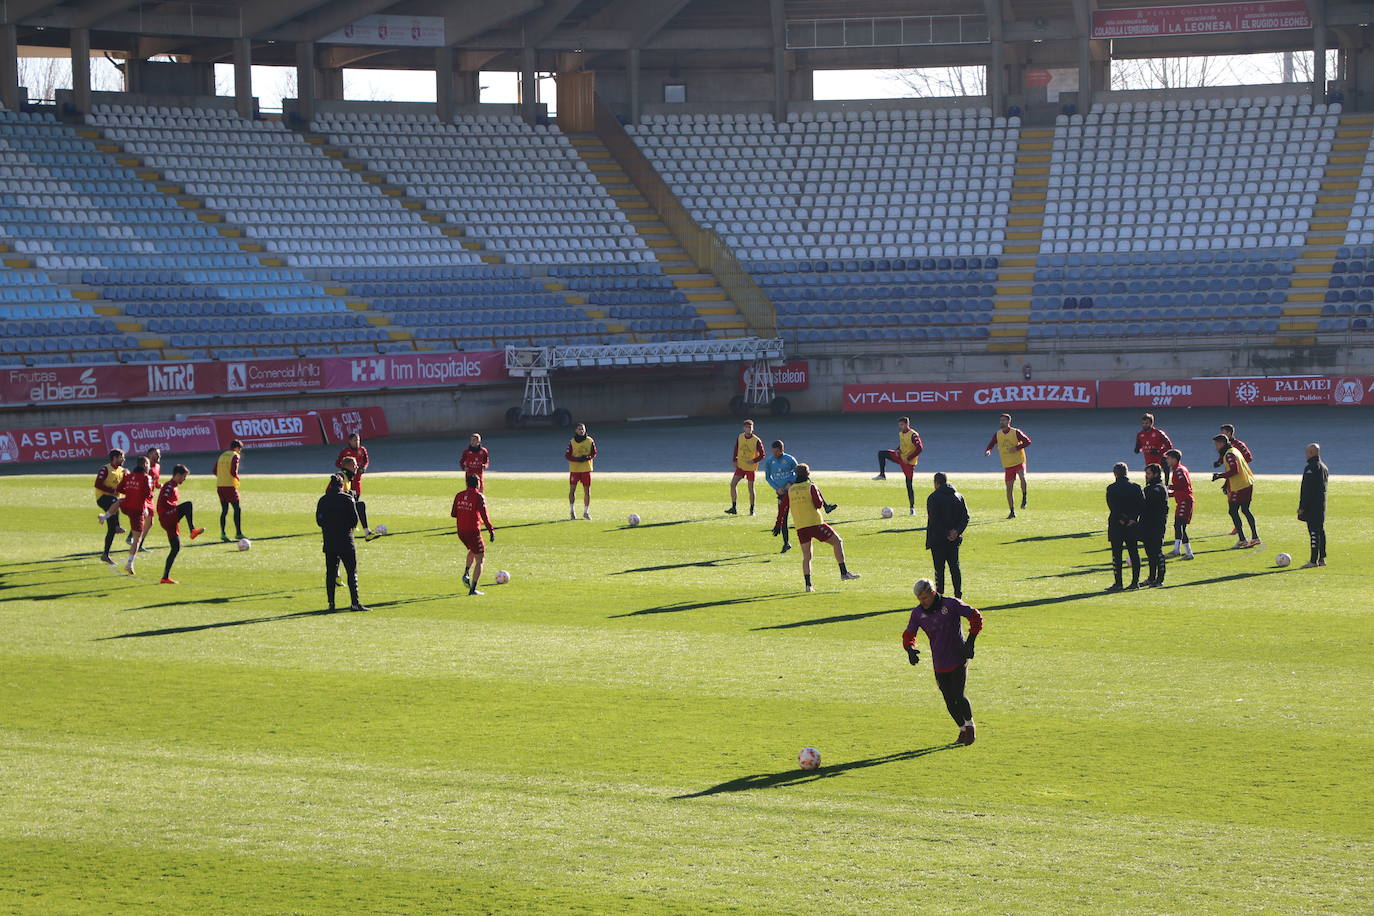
(222, 599)
(680, 521)
(839, 618)
(195, 628)
(705, 564)
(794, 777)
(1056, 537)
(1059, 599)
(699, 605)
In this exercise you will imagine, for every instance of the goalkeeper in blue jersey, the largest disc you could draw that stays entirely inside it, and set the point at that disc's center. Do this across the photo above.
(779, 469)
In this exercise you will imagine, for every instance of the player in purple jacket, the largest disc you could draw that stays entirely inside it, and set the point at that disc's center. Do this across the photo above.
(939, 617)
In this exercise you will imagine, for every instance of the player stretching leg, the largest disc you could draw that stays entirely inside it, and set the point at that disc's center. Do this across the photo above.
(469, 510)
(779, 470)
(745, 461)
(107, 498)
(357, 452)
(580, 453)
(1011, 444)
(950, 652)
(1240, 489)
(136, 502)
(154, 456)
(170, 511)
(906, 453)
(1181, 489)
(227, 484)
(475, 460)
(1229, 430)
(807, 507)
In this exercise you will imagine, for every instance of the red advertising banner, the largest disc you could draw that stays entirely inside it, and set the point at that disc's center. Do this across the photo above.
(968, 396)
(792, 376)
(341, 422)
(169, 435)
(1164, 393)
(52, 385)
(268, 430)
(1348, 391)
(53, 443)
(1201, 19)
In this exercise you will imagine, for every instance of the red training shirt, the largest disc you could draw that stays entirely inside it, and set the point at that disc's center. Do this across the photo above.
(1154, 443)
(1180, 483)
(136, 492)
(358, 454)
(475, 462)
(470, 508)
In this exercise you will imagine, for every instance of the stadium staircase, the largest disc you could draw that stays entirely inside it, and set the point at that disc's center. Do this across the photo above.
(700, 287)
(206, 214)
(1327, 233)
(1025, 227)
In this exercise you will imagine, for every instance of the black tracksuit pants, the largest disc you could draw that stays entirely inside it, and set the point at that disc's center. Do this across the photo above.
(940, 555)
(951, 685)
(1316, 536)
(334, 554)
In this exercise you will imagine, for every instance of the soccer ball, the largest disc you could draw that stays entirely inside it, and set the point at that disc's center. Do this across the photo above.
(502, 577)
(809, 758)
(245, 544)
(380, 529)
(634, 520)
(1282, 559)
(887, 512)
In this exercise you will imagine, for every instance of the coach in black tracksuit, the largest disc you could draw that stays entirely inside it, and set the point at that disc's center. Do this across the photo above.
(1153, 520)
(1125, 504)
(337, 515)
(946, 519)
(1312, 504)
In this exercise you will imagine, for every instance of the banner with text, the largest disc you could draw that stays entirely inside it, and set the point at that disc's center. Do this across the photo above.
(793, 376)
(968, 396)
(268, 430)
(170, 435)
(341, 422)
(1201, 19)
(67, 385)
(52, 443)
(1204, 392)
(1348, 391)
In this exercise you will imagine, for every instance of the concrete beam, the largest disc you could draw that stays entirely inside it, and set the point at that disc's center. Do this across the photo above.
(306, 90)
(334, 16)
(340, 56)
(258, 16)
(81, 69)
(91, 14)
(643, 19)
(539, 25)
(243, 76)
(443, 83)
(467, 20)
(13, 11)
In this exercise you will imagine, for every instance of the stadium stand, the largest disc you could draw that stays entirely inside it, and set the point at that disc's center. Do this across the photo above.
(1178, 217)
(853, 222)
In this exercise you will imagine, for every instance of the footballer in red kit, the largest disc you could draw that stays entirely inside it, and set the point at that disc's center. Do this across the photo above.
(170, 511)
(475, 460)
(1180, 484)
(469, 513)
(136, 502)
(1152, 441)
(358, 452)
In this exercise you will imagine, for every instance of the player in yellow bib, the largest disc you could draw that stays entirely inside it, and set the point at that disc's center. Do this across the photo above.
(745, 462)
(906, 454)
(808, 508)
(581, 452)
(1011, 444)
(107, 481)
(227, 485)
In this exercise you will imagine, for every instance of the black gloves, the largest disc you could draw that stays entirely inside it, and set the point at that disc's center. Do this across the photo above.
(968, 646)
(830, 507)
(913, 655)
(492, 535)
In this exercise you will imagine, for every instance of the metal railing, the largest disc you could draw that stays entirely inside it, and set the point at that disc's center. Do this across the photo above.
(886, 32)
(703, 246)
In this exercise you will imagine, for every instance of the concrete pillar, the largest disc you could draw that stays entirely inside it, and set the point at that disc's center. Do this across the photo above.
(632, 75)
(9, 68)
(529, 84)
(1318, 12)
(1086, 85)
(467, 87)
(778, 19)
(330, 84)
(81, 69)
(802, 85)
(997, 78)
(306, 90)
(443, 83)
(243, 76)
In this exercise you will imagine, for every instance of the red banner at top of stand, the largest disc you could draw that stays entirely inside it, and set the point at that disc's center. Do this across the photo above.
(1201, 19)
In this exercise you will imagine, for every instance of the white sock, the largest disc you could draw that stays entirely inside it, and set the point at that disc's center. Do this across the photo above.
(968, 724)
(1178, 545)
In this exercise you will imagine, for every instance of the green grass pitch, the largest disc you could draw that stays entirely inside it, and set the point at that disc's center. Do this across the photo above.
(616, 730)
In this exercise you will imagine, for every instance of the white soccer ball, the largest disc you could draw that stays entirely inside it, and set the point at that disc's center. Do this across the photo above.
(887, 512)
(380, 529)
(809, 758)
(245, 544)
(1282, 559)
(502, 577)
(634, 520)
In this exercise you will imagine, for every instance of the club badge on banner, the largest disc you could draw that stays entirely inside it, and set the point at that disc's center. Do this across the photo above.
(171, 436)
(341, 422)
(53, 443)
(1348, 391)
